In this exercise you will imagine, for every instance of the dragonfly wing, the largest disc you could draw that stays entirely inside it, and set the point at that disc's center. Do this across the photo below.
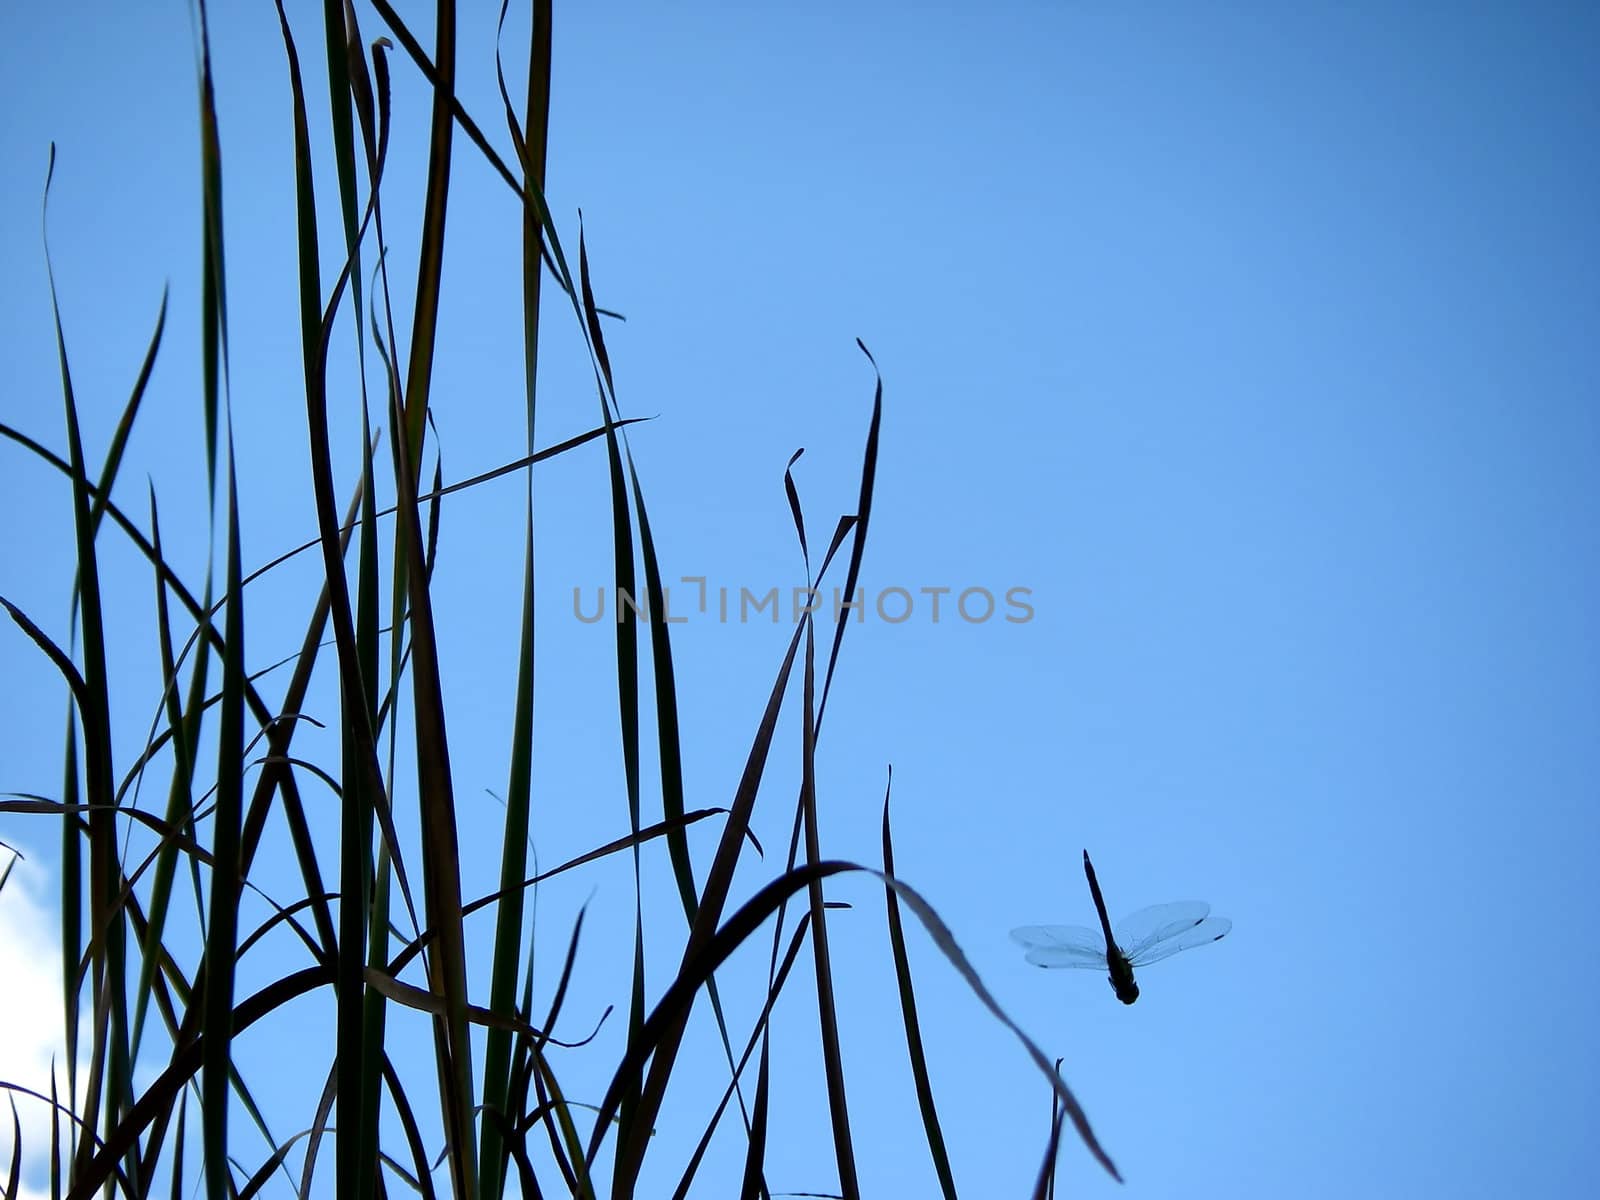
(1143, 929)
(1062, 946)
(1199, 934)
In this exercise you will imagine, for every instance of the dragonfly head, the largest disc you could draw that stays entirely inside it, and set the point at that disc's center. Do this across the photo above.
(1126, 989)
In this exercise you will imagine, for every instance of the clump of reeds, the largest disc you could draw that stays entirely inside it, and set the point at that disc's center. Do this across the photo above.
(151, 1088)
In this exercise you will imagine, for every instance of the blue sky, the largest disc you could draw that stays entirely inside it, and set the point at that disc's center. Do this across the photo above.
(1255, 339)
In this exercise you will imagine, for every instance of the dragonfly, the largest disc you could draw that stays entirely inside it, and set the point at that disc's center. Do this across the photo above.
(1146, 936)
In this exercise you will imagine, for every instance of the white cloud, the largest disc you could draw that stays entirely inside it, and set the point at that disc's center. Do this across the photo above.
(30, 1014)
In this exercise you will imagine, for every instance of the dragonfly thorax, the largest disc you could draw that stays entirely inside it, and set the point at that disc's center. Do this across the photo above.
(1120, 976)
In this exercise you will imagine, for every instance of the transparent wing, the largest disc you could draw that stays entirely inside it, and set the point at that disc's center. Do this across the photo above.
(1202, 934)
(1162, 930)
(1062, 946)
(1159, 921)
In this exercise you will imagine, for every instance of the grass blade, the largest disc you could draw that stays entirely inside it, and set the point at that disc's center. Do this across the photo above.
(827, 1015)
(513, 864)
(908, 1011)
(758, 1034)
(14, 1171)
(223, 926)
(713, 898)
(1044, 1187)
(94, 712)
(161, 1096)
(869, 475)
(665, 1020)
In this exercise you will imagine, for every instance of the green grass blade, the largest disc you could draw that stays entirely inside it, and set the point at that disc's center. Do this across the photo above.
(55, 1137)
(1044, 1187)
(625, 585)
(757, 1035)
(841, 531)
(669, 744)
(408, 1124)
(319, 1127)
(124, 429)
(509, 916)
(1055, 1124)
(276, 776)
(375, 1014)
(222, 931)
(14, 1171)
(184, 728)
(869, 475)
(356, 1147)
(71, 912)
(665, 1020)
(419, 56)
(440, 853)
(756, 1151)
(713, 898)
(94, 712)
(430, 251)
(342, 41)
(176, 1192)
(565, 1144)
(532, 147)
(440, 850)
(209, 636)
(807, 818)
(58, 656)
(221, 934)
(827, 1015)
(161, 1096)
(357, 866)
(908, 1012)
